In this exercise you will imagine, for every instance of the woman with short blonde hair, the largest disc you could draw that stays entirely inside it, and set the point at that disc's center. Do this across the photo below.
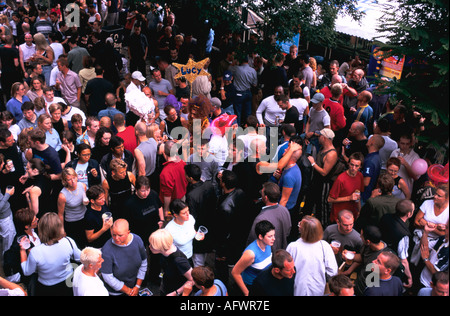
(161, 240)
(176, 267)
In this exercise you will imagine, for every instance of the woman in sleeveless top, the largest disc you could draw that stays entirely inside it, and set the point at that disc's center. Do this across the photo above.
(37, 186)
(401, 189)
(118, 187)
(72, 206)
(256, 257)
(171, 121)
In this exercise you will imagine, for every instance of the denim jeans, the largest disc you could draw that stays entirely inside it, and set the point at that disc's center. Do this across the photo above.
(243, 105)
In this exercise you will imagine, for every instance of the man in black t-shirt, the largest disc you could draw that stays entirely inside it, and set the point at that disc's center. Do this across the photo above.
(95, 92)
(291, 115)
(278, 279)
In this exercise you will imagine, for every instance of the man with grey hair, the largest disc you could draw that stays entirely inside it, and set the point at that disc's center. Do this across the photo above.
(86, 281)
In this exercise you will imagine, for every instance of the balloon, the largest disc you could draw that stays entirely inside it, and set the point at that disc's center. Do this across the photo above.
(221, 123)
(438, 174)
(419, 167)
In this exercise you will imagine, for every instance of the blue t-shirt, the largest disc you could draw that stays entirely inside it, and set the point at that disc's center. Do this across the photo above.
(15, 107)
(291, 178)
(221, 289)
(371, 168)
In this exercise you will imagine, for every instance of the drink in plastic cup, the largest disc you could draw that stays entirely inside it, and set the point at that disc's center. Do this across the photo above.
(106, 216)
(24, 242)
(349, 256)
(359, 194)
(336, 244)
(202, 231)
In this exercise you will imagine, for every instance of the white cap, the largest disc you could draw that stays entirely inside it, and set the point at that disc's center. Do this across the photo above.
(138, 75)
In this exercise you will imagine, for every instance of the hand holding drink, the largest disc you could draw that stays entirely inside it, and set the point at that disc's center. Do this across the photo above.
(107, 219)
(24, 242)
(201, 232)
(356, 196)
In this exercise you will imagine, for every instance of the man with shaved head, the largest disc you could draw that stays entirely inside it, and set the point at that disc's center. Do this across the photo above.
(356, 140)
(125, 261)
(145, 152)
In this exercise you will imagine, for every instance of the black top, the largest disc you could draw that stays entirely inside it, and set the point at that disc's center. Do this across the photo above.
(143, 215)
(174, 267)
(265, 284)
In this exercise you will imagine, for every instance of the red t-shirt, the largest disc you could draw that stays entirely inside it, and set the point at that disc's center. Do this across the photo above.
(336, 112)
(173, 181)
(346, 185)
(129, 139)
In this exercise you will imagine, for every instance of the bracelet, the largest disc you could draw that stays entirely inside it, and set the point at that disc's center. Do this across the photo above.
(313, 164)
(426, 259)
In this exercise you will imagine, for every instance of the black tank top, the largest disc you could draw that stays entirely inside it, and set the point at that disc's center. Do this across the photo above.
(119, 192)
(171, 125)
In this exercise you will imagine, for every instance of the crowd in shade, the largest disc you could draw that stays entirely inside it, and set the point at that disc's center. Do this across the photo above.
(305, 179)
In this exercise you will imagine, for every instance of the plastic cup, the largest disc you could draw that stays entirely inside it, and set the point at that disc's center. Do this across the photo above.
(106, 216)
(23, 241)
(350, 255)
(335, 244)
(202, 231)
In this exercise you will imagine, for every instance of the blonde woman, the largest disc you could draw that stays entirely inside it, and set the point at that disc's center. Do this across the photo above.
(44, 55)
(72, 203)
(176, 267)
(51, 135)
(314, 259)
(313, 65)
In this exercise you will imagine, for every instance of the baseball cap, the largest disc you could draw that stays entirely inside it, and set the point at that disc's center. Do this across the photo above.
(328, 133)
(318, 97)
(216, 102)
(138, 75)
(227, 75)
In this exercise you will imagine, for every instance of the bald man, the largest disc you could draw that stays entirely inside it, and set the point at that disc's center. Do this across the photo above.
(125, 261)
(145, 152)
(359, 83)
(356, 140)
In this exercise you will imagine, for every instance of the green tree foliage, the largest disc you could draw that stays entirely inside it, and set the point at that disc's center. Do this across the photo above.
(315, 19)
(419, 29)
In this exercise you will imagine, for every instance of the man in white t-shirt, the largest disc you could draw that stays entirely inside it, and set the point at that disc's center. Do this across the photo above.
(86, 281)
(268, 111)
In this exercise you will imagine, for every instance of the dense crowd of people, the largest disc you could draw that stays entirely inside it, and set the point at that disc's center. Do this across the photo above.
(322, 190)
